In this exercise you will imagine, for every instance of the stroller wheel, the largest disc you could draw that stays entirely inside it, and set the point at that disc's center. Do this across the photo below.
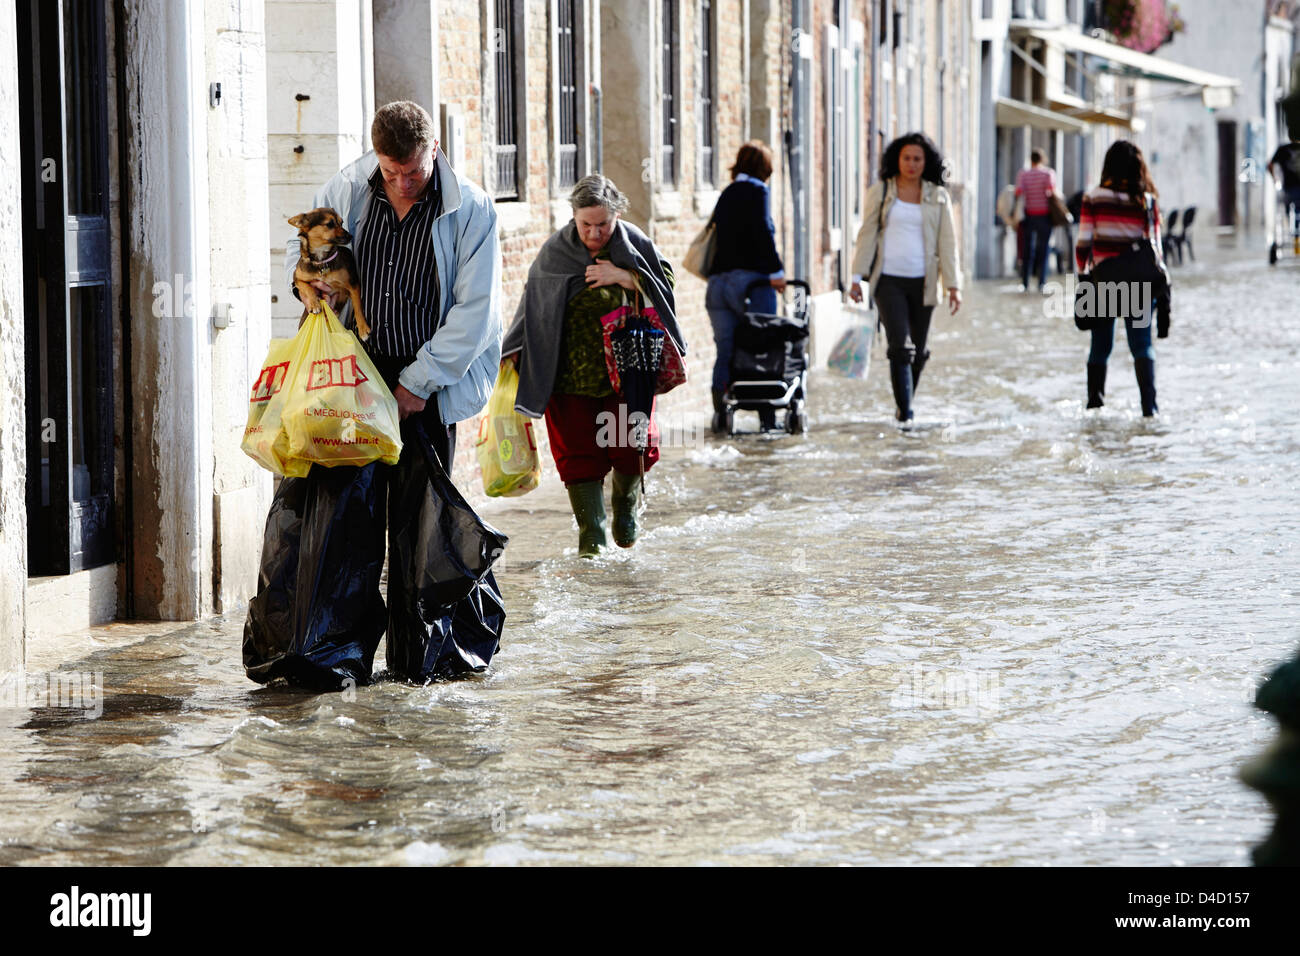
(796, 418)
(731, 420)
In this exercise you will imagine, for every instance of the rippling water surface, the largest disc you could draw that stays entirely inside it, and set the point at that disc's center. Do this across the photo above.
(1018, 635)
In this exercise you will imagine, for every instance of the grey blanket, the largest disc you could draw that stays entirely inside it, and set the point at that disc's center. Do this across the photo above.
(556, 276)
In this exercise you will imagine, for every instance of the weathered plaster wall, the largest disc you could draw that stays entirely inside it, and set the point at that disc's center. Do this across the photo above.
(13, 443)
(167, 294)
(235, 56)
(406, 37)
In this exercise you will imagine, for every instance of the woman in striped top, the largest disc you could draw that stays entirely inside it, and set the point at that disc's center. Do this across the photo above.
(1114, 216)
(1036, 184)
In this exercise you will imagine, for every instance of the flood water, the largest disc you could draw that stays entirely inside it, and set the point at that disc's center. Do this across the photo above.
(1020, 634)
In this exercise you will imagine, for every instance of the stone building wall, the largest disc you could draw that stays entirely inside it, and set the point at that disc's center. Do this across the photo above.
(13, 443)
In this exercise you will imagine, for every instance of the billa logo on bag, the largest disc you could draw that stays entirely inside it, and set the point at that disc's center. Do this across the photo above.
(269, 382)
(332, 373)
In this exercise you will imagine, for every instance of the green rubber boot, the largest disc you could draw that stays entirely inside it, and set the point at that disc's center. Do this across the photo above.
(626, 500)
(588, 501)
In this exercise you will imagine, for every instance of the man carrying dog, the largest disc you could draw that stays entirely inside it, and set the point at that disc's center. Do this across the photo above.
(426, 246)
(429, 262)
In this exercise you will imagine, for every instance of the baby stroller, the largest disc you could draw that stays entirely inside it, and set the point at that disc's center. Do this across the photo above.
(769, 363)
(1286, 230)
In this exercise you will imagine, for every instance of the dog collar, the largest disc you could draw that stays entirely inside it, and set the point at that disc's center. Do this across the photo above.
(321, 263)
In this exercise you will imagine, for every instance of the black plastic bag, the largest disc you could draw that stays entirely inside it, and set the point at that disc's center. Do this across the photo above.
(444, 642)
(446, 614)
(318, 614)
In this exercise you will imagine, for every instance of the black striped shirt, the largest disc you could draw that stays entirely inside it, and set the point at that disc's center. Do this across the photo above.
(399, 271)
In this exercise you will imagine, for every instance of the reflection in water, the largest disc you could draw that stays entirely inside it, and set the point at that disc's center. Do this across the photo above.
(1021, 635)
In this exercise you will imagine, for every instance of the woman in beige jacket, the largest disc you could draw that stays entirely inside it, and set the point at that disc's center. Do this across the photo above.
(907, 245)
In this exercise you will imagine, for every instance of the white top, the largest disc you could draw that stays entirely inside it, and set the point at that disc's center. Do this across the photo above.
(904, 242)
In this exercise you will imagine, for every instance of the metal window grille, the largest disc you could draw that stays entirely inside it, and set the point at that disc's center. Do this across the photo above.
(63, 119)
(834, 87)
(668, 147)
(567, 43)
(706, 92)
(506, 148)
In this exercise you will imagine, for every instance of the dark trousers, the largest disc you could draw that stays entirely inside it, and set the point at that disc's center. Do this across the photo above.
(1038, 236)
(724, 300)
(906, 318)
(393, 480)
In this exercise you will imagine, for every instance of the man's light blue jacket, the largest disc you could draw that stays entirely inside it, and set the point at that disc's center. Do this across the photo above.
(460, 362)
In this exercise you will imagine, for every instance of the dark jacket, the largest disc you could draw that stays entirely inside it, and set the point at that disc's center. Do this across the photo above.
(745, 233)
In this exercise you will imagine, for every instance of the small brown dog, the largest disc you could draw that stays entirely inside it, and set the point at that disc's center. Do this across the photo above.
(325, 259)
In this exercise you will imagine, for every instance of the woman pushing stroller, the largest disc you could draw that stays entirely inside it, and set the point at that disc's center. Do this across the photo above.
(746, 256)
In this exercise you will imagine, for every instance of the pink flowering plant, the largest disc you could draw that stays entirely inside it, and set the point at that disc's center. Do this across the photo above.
(1142, 25)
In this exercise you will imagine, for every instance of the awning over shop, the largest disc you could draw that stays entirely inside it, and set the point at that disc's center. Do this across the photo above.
(1079, 109)
(1019, 113)
(1123, 61)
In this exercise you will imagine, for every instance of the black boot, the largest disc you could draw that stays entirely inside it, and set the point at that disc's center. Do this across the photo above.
(918, 364)
(1146, 376)
(719, 412)
(1096, 385)
(900, 377)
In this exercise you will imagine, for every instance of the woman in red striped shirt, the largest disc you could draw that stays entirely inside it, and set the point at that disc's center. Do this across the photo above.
(1115, 217)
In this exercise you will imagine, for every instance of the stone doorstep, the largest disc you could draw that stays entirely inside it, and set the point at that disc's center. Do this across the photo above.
(69, 604)
(83, 605)
(47, 652)
(60, 604)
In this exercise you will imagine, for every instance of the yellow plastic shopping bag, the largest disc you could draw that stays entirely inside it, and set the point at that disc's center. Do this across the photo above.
(265, 441)
(507, 451)
(327, 404)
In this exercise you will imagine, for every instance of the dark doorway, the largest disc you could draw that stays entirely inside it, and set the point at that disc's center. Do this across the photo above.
(1228, 173)
(63, 107)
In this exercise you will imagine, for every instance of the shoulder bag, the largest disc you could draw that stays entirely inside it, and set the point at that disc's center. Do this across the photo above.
(672, 369)
(702, 251)
(1056, 209)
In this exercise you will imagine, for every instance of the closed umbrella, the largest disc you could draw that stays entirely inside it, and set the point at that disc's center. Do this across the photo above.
(638, 349)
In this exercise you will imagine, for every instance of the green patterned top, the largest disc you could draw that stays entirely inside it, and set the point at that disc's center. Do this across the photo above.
(582, 370)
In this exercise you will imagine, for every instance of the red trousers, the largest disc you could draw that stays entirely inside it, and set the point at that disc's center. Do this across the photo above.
(591, 435)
